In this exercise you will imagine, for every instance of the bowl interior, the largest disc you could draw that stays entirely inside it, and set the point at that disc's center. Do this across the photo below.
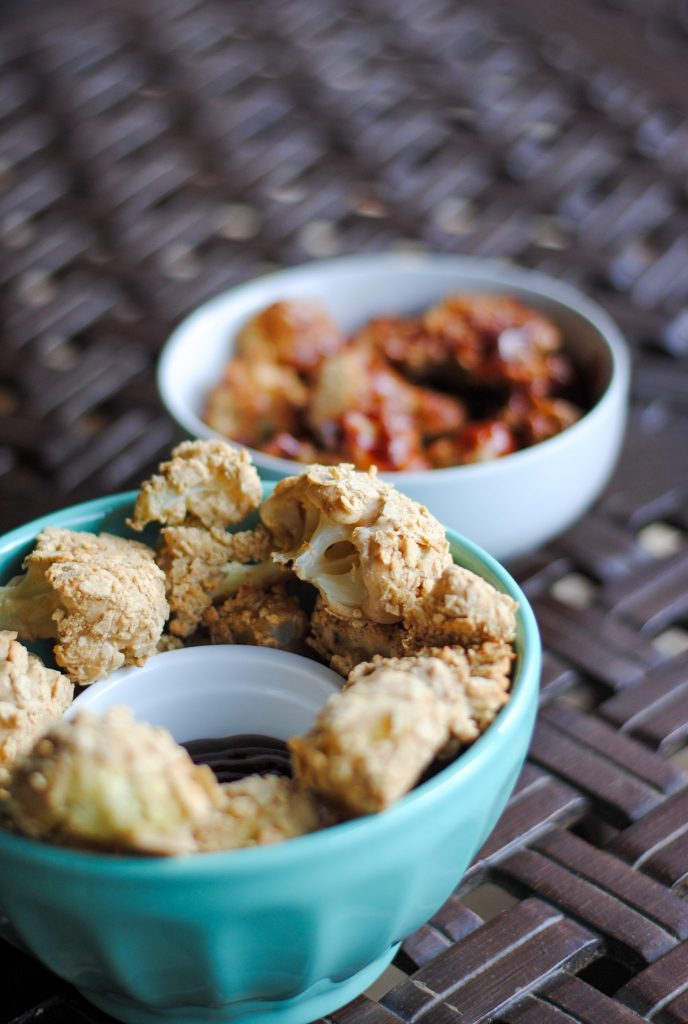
(512, 723)
(221, 690)
(355, 289)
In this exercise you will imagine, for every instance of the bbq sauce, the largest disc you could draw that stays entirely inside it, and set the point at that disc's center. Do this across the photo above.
(235, 757)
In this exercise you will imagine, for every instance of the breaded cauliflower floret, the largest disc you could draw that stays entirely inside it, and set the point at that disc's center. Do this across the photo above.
(370, 550)
(293, 332)
(101, 597)
(462, 608)
(202, 565)
(345, 643)
(258, 810)
(265, 618)
(472, 683)
(210, 483)
(30, 696)
(111, 783)
(448, 681)
(371, 743)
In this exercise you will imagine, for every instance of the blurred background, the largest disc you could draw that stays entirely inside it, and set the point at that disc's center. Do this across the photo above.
(155, 152)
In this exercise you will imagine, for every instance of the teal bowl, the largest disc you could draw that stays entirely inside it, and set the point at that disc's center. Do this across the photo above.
(282, 933)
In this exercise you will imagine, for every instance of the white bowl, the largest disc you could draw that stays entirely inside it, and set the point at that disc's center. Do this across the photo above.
(221, 690)
(509, 505)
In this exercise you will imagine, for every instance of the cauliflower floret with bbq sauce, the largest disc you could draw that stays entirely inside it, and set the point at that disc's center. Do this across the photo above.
(30, 696)
(345, 643)
(462, 608)
(366, 412)
(286, 446)
(369, 414)
(493, 339)
(371, 743)
(206, 483)
(201, 566)
(294, 332)
(533, 419)
(262, 617)
(257, 811)
(101, 597)
(405, 343)
(111, 783)
(370, 550)
(256, 401)
(476, 442)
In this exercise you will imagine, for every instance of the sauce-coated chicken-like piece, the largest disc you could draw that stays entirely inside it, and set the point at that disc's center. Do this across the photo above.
(473, 377)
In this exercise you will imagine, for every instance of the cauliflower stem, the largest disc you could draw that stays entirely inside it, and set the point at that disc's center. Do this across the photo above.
(330, 555)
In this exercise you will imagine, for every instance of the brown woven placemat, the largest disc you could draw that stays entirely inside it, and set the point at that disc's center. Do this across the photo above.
(154, 152)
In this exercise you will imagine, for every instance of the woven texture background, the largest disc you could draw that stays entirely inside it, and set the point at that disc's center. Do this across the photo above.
(154, 152)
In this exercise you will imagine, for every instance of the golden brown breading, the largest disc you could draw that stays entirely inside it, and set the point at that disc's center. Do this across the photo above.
(345, 643)
(370, 550)
(111, 783)
(193, 561)
(293, 332)
(370, 743)
(472, 683)
(30, 696)
(101, 597)
(258, 810)
(167, 642)
(266, 618)
(207, 483)
(462, 608)
(448, 684)
(248, 545)
(488, 683)
(203, 565)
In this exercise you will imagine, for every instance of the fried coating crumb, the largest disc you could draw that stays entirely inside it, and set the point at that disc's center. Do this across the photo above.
(345, 643)
(207, 483)
(490, 664)
(30, 696)
(203, 565)
(258, 810)
(462, 608)
(248, 545)
(293, 332)
(266, 618)
(111, 783)
(370, 743)
(101, 597)
(472, 683)
(448, 681)
(370, 550)
(169, 643)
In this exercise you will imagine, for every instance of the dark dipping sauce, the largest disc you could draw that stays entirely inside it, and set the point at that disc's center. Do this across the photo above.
(235, 757)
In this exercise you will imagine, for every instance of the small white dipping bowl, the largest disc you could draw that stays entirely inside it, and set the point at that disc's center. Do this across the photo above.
(509, 505)
(221, 690)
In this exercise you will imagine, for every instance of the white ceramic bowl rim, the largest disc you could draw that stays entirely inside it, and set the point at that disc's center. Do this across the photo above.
(502, 273)
(346, 835)
(228, 684)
